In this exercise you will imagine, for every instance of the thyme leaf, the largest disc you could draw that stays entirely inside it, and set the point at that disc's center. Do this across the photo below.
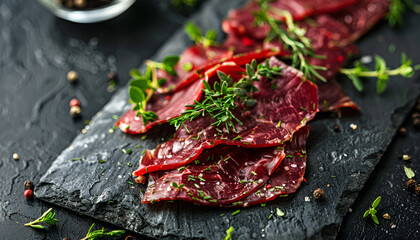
(221, 99)
(207, 40)
(293, 38)
(372, 211)
(98, 234)
(381, 72)
(47, 217)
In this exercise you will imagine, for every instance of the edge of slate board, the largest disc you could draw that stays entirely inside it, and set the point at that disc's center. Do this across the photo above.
(103, 192)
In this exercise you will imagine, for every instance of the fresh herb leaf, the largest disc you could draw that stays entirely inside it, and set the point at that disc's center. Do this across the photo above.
(279, 212)
(293, 38)
(381, 72)
(47, 217)
(229, 233)
(209, 39)
(236, 212)
(397, 9)
(99, 234)
(409, 172)
(372, 211)
(221, 99)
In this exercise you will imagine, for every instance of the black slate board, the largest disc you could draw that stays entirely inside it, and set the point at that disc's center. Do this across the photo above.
(87, 186)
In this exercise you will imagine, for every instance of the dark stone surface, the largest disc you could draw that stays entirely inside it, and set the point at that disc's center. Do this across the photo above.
(37, 50)
(343, 160)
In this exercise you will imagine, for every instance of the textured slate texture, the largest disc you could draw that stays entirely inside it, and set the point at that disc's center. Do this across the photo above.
(87, 186)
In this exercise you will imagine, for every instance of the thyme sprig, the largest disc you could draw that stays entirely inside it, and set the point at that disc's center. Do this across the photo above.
(99, 234)
(381, 72)
(47, 217)
(372, 211)
(396, 10)
(142, 86)
(293, 38)
(229, 233)
(220, 101)
(194, 32)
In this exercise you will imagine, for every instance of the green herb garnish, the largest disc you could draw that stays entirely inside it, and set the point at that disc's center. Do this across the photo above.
(229, 233)
(397, 9)
(209, 39)
(409, 172)
(99, 234)
(293, 38)
(220, 101)
(47, 217)
(372, 211)
(381, 72)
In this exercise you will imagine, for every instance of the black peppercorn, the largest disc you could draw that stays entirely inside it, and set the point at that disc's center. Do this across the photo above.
(29, 185)
(416, 122)
(112, 76)
(66, 238)
(403, 131)
(318, 193)
(336, 128)
(411, 184)
(417, 190)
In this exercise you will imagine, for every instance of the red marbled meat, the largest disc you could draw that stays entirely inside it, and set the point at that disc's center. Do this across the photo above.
(241, 21)
(332, 97)
(361, 17)
(196, 56)
(221, 176)
(170, 106)
(284, 105)
(287, 178)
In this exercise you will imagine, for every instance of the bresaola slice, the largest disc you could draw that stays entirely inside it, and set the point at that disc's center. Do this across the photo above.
(332, 97)
(289, 174)
(220, 176)
(284, 105)
(241, 21)
(166, 107)
(361, 17)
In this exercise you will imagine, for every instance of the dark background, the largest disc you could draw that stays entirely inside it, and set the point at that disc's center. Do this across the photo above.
(38, 49)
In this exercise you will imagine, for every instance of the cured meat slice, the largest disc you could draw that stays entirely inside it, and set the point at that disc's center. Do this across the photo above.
(193, 58)
(171, 106)
(221, 176)
(239, 59)
(284, 105)
(165, 109)
(332, 97)
(241, 21)
(362, 16)
(287, 178)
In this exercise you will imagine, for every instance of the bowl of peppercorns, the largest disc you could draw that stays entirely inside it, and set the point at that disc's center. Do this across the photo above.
(87, 11)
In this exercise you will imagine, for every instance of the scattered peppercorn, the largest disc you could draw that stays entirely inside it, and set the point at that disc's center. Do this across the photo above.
(318, 193)
(74, 102)
(75, 111)
(403, 131)
(416, 122)
(406, 157)
(15, 156)
(112, 76)
(411, 184)
(141, 179)
(66, 238)
(417, 190)
(418, 107)
(28, 194)
(386, 216)
(28, 185)
(72, 76)
(336, 128)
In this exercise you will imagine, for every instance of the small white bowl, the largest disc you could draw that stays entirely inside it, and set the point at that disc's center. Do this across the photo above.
(109, 11)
